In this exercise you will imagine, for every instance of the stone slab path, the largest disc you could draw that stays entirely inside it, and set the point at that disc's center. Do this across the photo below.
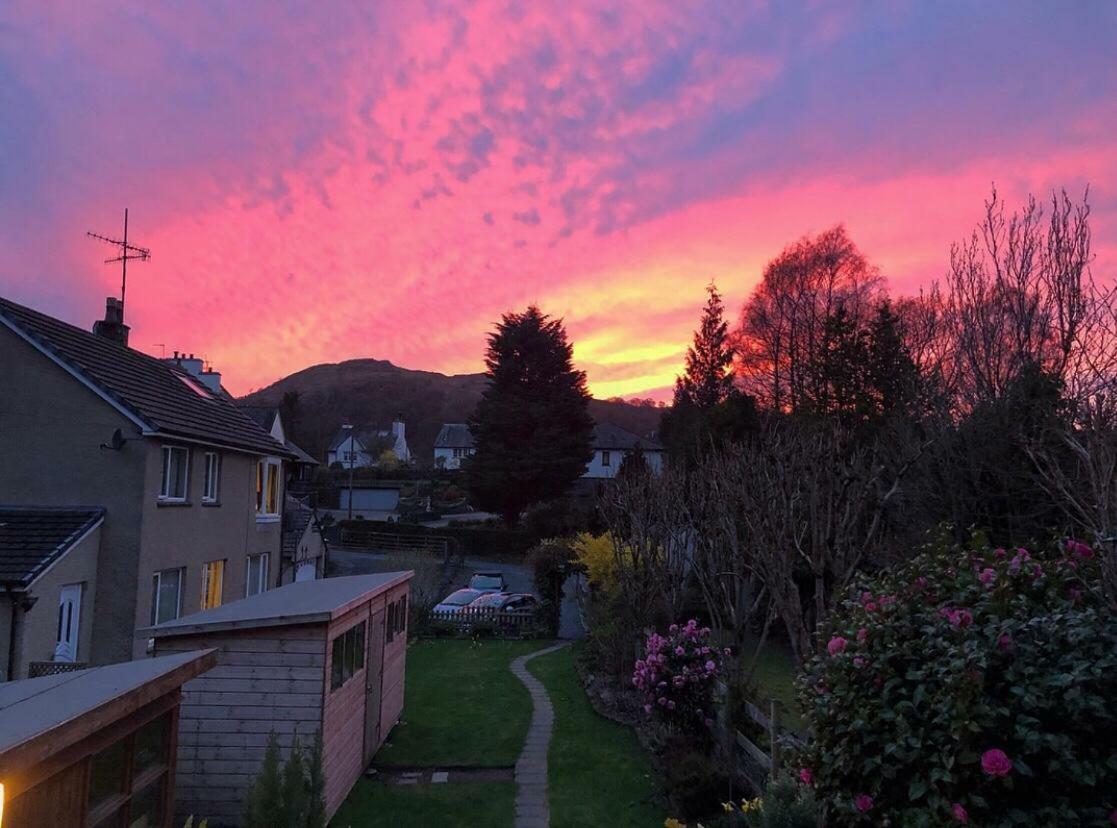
(532, 810)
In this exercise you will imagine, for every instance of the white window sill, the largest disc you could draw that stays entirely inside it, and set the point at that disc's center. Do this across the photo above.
(267, 518)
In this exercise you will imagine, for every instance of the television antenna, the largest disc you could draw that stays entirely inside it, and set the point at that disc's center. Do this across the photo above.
(128, 252)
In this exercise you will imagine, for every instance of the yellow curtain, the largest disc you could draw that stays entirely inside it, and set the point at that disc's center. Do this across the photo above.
(214, 576)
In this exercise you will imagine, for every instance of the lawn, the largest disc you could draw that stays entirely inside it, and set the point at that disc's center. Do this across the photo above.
(451, 804)
(774, 678)
(598, 774)
(462, 705)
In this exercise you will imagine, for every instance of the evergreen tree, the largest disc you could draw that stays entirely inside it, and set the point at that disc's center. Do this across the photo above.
(708, 379)
(294, 789)
(263, 806)
(532, 429)
(316, 786)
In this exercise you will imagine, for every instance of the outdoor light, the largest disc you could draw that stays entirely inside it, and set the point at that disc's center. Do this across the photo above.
(1, 803)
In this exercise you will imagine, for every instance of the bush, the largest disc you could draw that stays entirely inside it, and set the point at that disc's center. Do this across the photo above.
(597, 559)
(552, 562)
(677, 675)
(975, 688)
(287, 796)
(784, 804)
(694, 782)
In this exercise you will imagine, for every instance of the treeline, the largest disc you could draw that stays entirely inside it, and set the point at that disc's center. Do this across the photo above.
(834, 427)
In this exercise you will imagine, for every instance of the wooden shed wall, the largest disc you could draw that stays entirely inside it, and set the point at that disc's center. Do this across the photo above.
(268, 679)
(395, 663)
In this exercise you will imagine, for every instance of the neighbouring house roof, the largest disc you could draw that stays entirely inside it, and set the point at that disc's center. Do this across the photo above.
(34, 537)
(265, 415)
(302, 602)
(40, 716)
(296, 517)
(454, 435)
(159, 398)
(609, 436)
(373, 440)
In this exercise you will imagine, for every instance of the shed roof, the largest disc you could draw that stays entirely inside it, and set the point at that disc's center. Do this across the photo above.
(303, 602)
(40, 716)
(34, 537)
(157, 396)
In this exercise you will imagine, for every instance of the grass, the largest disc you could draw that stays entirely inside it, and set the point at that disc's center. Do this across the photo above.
(774, 678)
(450, 804)
(597, 772)
(462, 705)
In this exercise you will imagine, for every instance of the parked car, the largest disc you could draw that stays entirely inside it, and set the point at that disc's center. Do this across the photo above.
(454, 602)
(507, 602)
(488, 581)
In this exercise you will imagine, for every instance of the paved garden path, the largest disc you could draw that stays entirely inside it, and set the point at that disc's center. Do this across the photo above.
(532, 810)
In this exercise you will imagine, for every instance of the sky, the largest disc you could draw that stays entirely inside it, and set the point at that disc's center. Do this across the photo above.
(327, 181)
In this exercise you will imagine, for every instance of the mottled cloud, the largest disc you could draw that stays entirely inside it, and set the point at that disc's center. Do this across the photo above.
(385, 180)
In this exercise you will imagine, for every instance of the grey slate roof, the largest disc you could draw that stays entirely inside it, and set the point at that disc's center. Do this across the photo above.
(32, 707)
(296, 517)
(454, 435)
(609, 436)
(34, 537)
(153, 392)
(265, 415)
(302, 602)
(370, 437)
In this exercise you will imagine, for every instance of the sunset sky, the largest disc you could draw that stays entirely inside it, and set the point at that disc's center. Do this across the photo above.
(321, 181)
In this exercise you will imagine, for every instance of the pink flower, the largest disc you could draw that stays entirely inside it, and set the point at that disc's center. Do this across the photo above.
(996, 763)
(805, 776)
(862, 635)
(1037, 571)
(648, 709)
(709, 722)
(863, 803)
(680, 651)
(871, 606)
(859, 662)
(670, 705)
(959, 617)
(1005, 643)
(837, 645)
(674, 628)
(728, 651)
(1022, 553)
(920, 582)
(1080, 550)
(866, 597)
(998, 552)
(710, 666)
(960, 813)
(988, 576)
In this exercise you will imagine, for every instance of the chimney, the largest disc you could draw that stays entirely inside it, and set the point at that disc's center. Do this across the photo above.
(398, 427)
(211, 380)
(112, 326)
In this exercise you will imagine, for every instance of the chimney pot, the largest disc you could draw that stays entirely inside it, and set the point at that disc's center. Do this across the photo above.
(112, 327)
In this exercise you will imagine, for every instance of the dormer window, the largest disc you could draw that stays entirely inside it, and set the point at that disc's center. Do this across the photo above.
(195, 386)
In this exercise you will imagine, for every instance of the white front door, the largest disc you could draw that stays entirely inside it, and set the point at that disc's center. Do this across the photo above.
(69, 616)
(306, 571)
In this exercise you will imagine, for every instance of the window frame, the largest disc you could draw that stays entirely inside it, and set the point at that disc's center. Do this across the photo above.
(606, 458)
(164, 487)
(264, 471)
(134, 782)
(347, 655)
(157, 578)
(211, 481)
(262, 576)
(207, 574)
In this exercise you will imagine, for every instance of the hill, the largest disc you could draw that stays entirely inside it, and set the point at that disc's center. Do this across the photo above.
(376, 391)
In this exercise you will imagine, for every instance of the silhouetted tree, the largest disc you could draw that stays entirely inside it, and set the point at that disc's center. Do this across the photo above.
(532, 427)
(708, 379)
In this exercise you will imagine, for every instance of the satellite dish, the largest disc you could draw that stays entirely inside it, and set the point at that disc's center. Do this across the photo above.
(117, 443)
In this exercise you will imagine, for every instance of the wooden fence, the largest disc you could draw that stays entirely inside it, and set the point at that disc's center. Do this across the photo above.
(765, 759)
(470, 621)
(393, 542)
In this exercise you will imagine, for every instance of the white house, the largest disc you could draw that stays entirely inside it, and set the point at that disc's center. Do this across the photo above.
(361, 446)
(453, 444)
(611, 443)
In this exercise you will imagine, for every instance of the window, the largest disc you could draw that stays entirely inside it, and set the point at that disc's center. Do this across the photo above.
(213, 475)
(257, 580)
(127, 780)
(347, 655)
(267, 487)
(397, 618)
(213, 576)
(176, 461)
(166, 596)
(605, 460)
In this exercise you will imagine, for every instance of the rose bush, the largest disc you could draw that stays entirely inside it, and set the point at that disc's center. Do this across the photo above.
(677, 676)
(968, 688)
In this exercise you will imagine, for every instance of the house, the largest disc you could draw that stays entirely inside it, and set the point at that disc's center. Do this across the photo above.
(303, 555)
(94, 747)
(190, 488)
(323, 656)
(452, 445)
(48, 569)
(610, 445)
(362, 446)
(300, 470)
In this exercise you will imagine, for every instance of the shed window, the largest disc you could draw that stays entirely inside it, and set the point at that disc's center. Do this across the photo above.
(127, 780)
(397, 618)
(347, 655)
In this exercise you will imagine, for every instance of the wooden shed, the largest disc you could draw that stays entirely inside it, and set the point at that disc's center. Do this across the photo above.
(325, 655)
(95, 747)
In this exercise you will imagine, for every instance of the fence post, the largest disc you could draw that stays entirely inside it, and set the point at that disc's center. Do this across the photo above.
(774, 737)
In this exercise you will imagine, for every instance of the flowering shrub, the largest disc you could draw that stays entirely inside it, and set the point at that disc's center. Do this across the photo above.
(969, 688)
(677, 675)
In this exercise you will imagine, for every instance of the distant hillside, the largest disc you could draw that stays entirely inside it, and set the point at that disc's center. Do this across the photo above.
(375, 391)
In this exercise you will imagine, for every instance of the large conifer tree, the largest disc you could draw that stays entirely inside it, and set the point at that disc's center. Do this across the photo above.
(708, 379)
(532, 428)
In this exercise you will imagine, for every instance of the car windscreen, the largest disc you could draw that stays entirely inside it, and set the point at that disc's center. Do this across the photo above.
(461, 598)
(486, 582)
